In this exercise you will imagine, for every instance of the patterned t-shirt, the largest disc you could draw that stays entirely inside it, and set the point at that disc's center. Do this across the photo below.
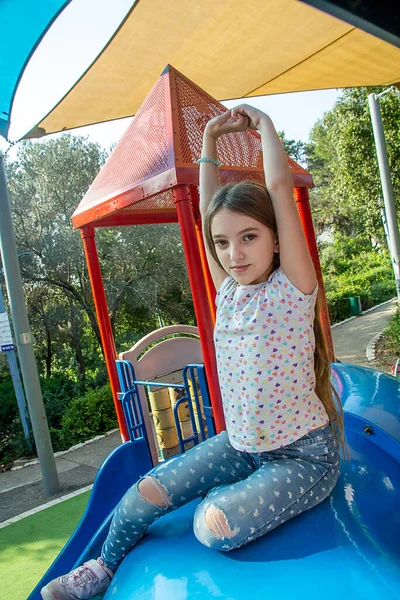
(264, 340)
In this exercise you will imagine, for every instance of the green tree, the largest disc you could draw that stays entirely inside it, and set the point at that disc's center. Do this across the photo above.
(342, 158)
(293, 148)
(142, 267)
(46, 182)
(319, 158)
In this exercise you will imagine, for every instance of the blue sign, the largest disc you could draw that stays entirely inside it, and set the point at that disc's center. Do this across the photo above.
(7, 347)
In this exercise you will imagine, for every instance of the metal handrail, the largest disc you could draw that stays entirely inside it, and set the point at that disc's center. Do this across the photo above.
(133, 409)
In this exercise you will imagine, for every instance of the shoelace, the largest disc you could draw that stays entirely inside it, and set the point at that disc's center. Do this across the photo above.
(82, 576)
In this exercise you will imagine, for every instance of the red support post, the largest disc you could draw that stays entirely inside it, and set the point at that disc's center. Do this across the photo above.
(204, 318)
(211, 292)
(103, 320)
(303, 205)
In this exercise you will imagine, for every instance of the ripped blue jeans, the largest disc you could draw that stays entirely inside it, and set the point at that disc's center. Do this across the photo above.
(244, 495)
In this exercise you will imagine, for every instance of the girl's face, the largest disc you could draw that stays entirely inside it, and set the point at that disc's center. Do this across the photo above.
(244, 246)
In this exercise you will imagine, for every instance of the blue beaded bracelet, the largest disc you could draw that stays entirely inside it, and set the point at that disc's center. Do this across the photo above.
(210, 160)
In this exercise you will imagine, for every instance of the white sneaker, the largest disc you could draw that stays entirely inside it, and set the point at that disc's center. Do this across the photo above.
(87, 581)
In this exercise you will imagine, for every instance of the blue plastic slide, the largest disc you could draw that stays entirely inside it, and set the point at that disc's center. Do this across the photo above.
(348, 547)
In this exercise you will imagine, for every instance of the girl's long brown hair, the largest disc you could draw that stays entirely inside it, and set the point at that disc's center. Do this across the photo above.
(252, 199)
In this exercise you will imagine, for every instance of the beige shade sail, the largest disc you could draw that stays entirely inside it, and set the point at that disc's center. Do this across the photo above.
(230, 49)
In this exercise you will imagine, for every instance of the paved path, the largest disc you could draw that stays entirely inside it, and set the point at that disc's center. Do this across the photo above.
(351, 338)
(22, 489)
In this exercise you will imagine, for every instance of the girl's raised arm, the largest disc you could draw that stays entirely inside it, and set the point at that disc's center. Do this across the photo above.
(295, 259)
(209, 174)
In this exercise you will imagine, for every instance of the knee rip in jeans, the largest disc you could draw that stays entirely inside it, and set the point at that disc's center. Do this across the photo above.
(217, 523)
(153, 492)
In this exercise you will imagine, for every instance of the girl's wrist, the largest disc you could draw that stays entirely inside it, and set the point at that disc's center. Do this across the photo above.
(210, 133)
(264, 123)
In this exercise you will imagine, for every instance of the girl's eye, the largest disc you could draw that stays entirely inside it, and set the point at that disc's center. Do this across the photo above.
(220, 242)
(249, 237)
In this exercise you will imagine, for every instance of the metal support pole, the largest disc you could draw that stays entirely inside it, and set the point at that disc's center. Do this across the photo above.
(103, 319)
(303, 206)
(24, 340)
(211, 292)
(387, 188)
(204, 317)
(16, 379)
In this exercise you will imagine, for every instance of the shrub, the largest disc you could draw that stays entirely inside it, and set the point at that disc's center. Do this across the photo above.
(74, 414)
(87, 416)
(8, 403)
(58, 392)
(13, 444)
(352, 268)
(392, 334)
(381, 291)
(338, 306)
(12, 439)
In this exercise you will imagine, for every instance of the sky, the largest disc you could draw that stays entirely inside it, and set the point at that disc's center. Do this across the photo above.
(74, 41)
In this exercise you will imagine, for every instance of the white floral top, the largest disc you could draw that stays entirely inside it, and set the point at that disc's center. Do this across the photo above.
(264, 341)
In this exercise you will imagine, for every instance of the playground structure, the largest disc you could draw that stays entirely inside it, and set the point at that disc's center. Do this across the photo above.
(152, 177)
(116, 82)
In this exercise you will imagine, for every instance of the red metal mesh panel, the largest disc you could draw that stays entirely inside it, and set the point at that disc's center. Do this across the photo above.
(161, 201)
(166, 133)
(236, 176)
(194, 108)
(141, 152)
(296, 168)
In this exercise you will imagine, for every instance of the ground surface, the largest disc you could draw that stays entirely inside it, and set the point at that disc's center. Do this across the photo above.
(23, 490)
(385, 359)
(351, 338)
(21, 499)
(28, 547)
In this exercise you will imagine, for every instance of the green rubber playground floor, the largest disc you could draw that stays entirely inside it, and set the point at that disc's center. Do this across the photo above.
(28, 547)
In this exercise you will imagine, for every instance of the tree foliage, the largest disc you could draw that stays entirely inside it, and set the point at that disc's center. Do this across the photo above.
(293, 148)
(352, 267)
(341, 156)
(142, 267)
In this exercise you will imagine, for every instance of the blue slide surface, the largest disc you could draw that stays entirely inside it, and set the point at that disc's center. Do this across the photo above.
(347, 547)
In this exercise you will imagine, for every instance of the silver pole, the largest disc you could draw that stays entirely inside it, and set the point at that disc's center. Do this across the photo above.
(24, 340)
(17, 383)
(387, 188)
(385, 228)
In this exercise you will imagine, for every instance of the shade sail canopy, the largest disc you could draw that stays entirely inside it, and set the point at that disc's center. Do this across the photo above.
(230, 50)
(379, 18)
(22, 26)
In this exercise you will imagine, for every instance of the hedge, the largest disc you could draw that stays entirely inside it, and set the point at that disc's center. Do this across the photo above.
(74, 415)
(374, 285)
(90, 415)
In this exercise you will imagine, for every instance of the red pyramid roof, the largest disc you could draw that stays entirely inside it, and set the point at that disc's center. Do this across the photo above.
(159, 151)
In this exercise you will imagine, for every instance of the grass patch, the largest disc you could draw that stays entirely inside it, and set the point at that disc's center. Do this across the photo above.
(28, 547)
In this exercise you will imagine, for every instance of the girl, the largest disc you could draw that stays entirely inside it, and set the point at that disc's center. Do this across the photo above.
(279, 455)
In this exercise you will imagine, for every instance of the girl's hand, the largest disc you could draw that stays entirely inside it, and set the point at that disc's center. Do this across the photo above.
(254, 115)
(227, 123)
